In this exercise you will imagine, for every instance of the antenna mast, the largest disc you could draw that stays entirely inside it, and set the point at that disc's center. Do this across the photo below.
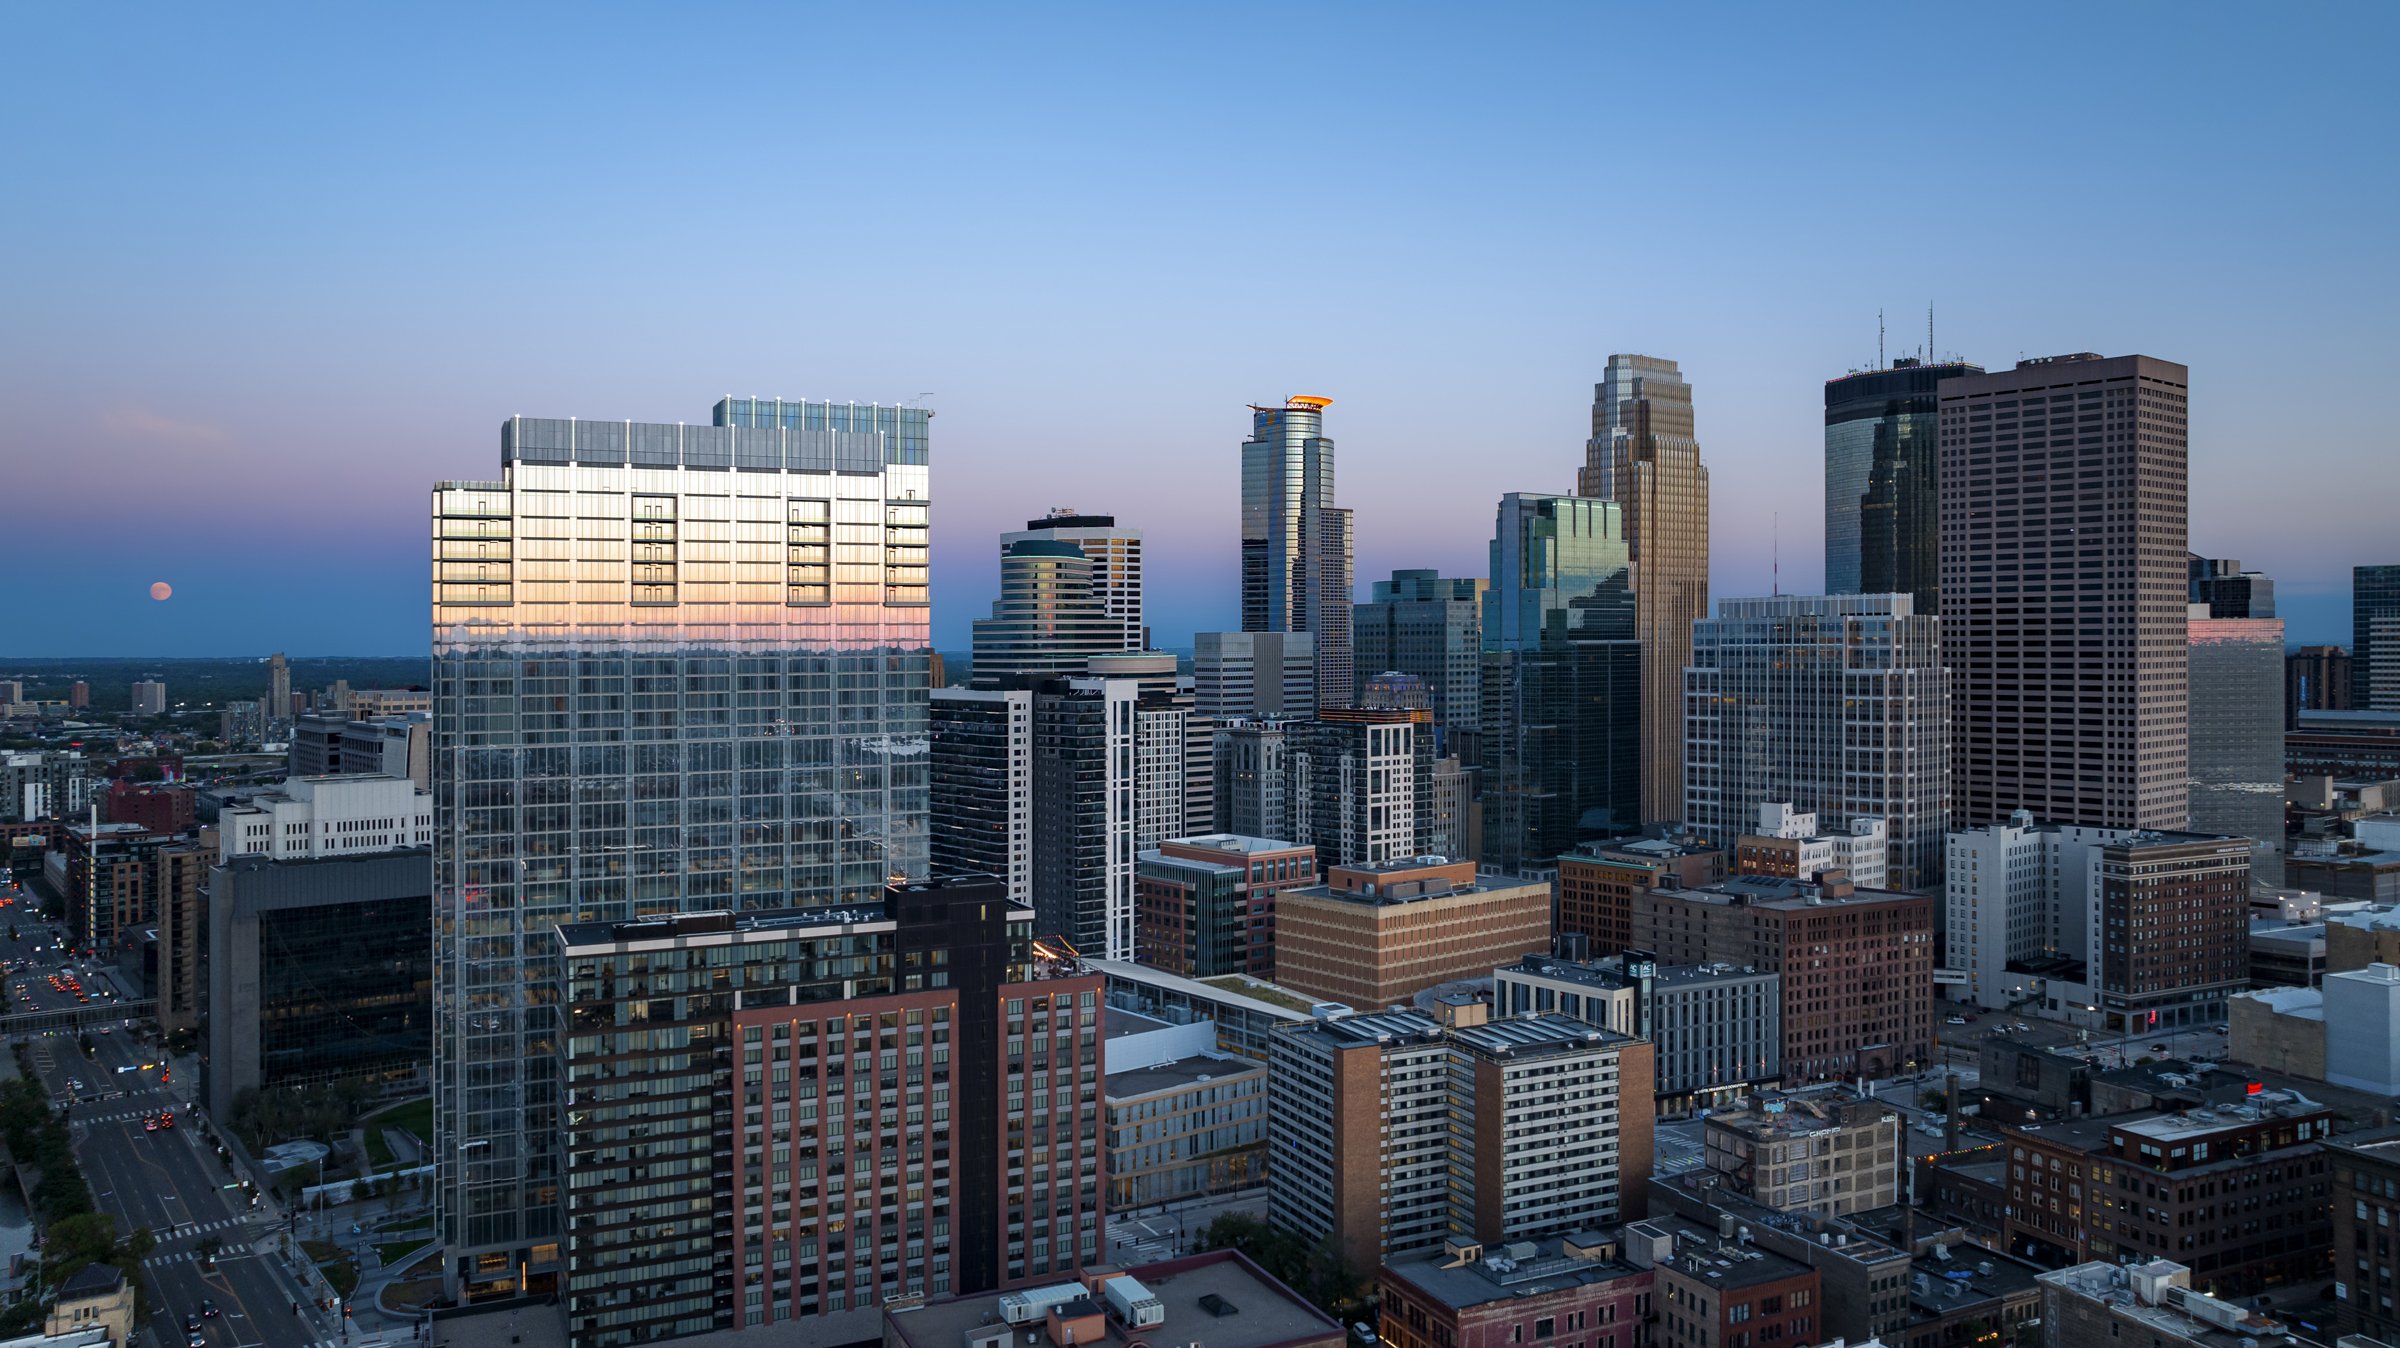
(1929, 334)
(1880, 362)
(1776, 584)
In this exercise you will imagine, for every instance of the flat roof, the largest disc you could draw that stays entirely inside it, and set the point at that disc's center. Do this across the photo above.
(1534, 1034)
(1549, 1269)
(1250, 1309)
(1177, 1075)
(1234, 991)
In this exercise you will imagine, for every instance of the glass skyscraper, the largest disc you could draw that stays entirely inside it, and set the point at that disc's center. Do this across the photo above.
(1643, 454)
(1562, 680)
(1882, 497)
(1050, 617)
(676, 668)
(1296, 564)
(1430, 626)
(2375, 638)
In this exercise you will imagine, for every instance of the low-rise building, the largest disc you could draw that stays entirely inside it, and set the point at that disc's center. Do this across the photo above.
(2366, 1212)
(1220, 1298)
(1789, 844)
(2150, 1303)
(1205, 906)
(1185, 1129)
(1864, 1278)
(1813, 1153)
(1576, 1289)
(1376, 936)
(2241, 1191)
(2018, 1082)
(2286, 954)
(1717, 1027)
(1714, 1290)
(97, 1296)
(1599, 883)
(2279, 1028)
(1245, 1010)
(1391, 1131)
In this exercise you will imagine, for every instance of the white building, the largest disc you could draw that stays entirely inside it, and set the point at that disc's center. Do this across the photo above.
(2016, 893)
(328, 817)
(1116, 556)
(149, 698)
(1240, 674)
(1864, 851)
(2362, 1029)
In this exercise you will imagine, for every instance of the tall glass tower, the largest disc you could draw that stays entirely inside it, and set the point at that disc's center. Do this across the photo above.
(1296, 546)
(1643, 454)
(1050, 617)
(676, 668)
(1882, 498)
(1562, 680)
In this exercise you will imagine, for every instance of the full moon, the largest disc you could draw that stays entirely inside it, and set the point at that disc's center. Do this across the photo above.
(159, 589)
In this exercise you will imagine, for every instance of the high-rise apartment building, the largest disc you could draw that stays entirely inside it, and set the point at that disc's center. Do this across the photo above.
(1116, 555)
(149, 697)
(1050, 618)
(1562, 680)
(1244, 674)
(79, 695)
(1421, 623)
(676, 667)
(806, 1115)
(1390, 1132)
(1084, 793)
(1356, 785)
(2236, 731)
(1882, 505)
(981, 785)
(1642, 454)
(2064, 578)
(2375, 638)
(1296, 543)
(1837, 704)
(1717, 1028)
(2315, 678)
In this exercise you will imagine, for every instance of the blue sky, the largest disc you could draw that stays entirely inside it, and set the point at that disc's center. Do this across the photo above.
(266, 274)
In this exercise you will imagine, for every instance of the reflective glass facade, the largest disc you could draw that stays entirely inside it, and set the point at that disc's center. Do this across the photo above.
(1882, 497)
(1296, 544)
(1562, 680)
(2374, 601)
(1050, 618)
(675, 668)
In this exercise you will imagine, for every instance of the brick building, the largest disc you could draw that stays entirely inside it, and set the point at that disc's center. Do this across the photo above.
(1205, 906)
(1376, 936)
(2236, 1193)
(1572, 1290)
(1599, 883)
(2366, 1224)
(161, 807)
(1856, 964)
(1714, 1290)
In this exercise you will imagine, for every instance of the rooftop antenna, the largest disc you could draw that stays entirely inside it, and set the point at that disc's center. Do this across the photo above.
(1879, 361)
(1776, 584)
(1929, 334)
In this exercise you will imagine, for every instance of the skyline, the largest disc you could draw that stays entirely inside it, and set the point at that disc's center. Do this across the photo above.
(239, 369)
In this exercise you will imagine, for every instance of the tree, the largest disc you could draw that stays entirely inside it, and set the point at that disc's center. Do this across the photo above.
(1316, 1272)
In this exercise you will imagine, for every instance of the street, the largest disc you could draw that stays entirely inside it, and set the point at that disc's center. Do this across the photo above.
(1154, 1233)
(169, 1180)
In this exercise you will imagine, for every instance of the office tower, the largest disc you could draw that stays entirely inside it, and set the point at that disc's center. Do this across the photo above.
(1716, 1027)
(1836, 704)
(1643, 456)
(1423, 624)
(823, 1133)
(1252, 779)
(149, 698)
(982, 785)
(1241, 674)
(1869, 1013)
(2374, 595)
(1049, 618)
(2220, 585)
(1116, 556)
(1206, 904)
(2315, 678)
(654, 692)
(318, 965)
(1391, 1131)
(2236, 730)
(1083, 812)
(1295, 541)
(2063, 584)
(1377, 934)
(1562, 718)
(1882, 503)
(279, 688)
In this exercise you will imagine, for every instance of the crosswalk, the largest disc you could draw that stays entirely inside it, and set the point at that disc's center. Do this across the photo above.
(182, 1233)
(120, 1116)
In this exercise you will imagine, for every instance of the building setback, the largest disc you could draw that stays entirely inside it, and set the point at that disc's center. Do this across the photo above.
(728, 1073)
(2063, 575)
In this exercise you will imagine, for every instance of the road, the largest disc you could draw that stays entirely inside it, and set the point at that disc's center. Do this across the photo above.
(169, 1180)
(1146, 1235)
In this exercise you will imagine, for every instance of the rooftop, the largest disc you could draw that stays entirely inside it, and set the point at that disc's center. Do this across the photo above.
(1609, 972)
(2195, 1317)
(1506, 1272)
(1950, 1279)
(1235, 844)
(1646, 849)
(2305, 1003)
(1178, 1075)
(1706, 1257)
(1219, 1297)
(1532, 1035)
(1231, 991)
(1785, 893)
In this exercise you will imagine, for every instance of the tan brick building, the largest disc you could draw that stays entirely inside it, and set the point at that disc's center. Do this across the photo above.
(1376, 936)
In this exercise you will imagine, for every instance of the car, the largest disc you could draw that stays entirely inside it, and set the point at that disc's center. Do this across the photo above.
(149, 1125)
(195, 1341)
(73, 1084)
(104, 1029)
(191, 1324)
(208, 1309)
(166, 1120)
(2158, 1048)
(1958, 1020)
(2221, 1029)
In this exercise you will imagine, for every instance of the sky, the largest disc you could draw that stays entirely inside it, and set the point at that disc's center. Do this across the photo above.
(266, 274)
